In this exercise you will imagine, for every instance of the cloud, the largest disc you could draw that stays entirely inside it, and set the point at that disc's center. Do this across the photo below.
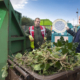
(19, 4)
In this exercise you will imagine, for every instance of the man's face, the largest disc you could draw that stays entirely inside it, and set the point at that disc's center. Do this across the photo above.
(37, 22)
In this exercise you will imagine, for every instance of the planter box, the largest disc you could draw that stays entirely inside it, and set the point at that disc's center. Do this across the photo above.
(66, 75)
(12, 75)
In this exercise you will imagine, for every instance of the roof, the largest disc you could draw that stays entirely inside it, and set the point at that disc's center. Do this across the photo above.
(45, 22)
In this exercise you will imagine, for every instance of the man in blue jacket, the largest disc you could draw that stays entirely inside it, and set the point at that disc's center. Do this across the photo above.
(76, 37)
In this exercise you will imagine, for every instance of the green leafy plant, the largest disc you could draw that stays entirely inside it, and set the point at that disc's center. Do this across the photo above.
(47, 60)
(66, 47)
(4, 71)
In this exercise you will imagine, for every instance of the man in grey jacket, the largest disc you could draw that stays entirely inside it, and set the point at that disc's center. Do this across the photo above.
(76, 37)
(38, 38)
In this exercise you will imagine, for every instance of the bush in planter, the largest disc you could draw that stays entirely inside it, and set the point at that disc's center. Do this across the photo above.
(47, 60)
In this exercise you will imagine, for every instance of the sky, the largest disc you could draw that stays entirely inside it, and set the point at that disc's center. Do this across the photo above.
(49, 9)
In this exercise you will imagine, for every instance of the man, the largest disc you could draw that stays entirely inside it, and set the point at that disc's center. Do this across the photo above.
(76, 37)
(37, 33)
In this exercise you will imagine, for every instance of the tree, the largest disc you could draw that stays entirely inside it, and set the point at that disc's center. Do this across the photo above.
(27, 21)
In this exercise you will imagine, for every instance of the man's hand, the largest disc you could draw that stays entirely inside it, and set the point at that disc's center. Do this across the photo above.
(45, 38)
(67, 28)
(31, 38)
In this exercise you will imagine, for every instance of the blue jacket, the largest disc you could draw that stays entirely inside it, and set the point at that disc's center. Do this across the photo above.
(76, 38)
